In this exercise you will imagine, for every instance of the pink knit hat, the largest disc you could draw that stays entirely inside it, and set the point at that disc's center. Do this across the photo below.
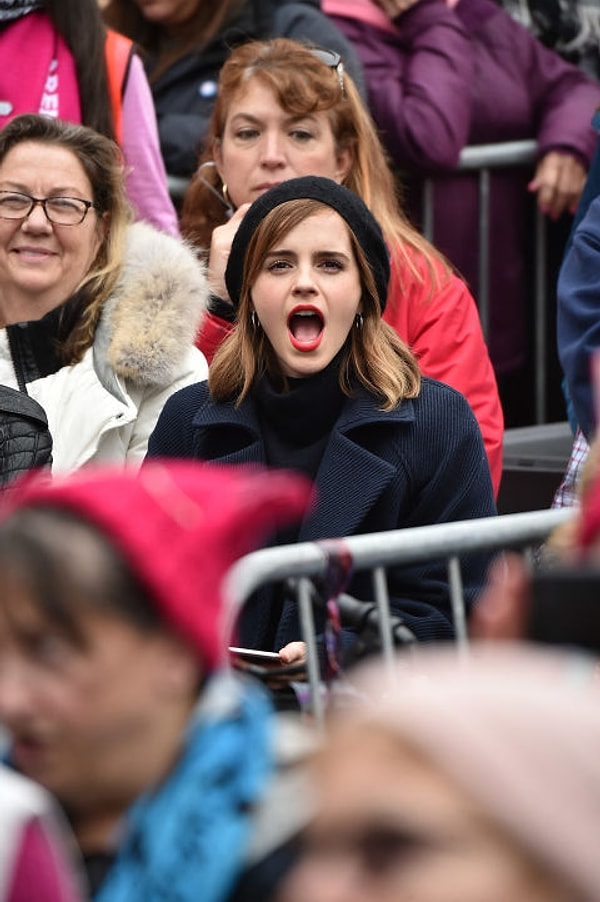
(518, 729)
(179, 525)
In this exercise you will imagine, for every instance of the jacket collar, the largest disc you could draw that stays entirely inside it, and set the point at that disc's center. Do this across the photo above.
(355, 458)
(151, 319)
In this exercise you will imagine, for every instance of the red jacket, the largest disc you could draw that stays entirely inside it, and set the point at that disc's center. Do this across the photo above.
(444, 331)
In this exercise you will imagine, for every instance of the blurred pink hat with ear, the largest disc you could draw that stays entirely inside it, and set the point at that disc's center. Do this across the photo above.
(517, 728)
(179, 525)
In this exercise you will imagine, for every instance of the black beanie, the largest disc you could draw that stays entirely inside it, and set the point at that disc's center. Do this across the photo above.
(348, 204)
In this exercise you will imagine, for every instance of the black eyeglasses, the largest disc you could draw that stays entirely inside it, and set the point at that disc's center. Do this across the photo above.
(65, 211)
(334, 61)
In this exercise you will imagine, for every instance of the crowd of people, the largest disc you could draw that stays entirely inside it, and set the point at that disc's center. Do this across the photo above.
(282, 356)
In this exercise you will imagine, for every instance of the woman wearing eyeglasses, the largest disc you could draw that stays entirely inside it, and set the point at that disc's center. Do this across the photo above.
(97, 316)
(185, 44)
(284, 110)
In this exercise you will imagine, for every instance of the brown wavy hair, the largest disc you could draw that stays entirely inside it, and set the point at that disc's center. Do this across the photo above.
(373, 357)
(303, 84)
(102, 162)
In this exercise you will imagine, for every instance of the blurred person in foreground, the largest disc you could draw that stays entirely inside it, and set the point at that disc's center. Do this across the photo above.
(476, 781)
(112, 681)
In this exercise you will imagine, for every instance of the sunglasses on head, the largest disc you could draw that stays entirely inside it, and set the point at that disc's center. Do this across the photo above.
(334, 61)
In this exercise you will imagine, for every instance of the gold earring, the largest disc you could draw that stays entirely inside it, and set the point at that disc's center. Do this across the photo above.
(225, 194)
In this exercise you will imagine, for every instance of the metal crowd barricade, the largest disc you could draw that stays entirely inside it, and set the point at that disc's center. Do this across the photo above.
(482, 158)
(376, 551)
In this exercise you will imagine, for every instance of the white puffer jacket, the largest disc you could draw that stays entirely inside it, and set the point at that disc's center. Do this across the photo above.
(104, 408)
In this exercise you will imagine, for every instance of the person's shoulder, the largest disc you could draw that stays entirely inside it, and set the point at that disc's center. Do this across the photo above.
(434, 391)
(442, 402)
(188, 400)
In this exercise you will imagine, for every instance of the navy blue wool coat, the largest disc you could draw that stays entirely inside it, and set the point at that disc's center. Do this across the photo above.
(422, 463)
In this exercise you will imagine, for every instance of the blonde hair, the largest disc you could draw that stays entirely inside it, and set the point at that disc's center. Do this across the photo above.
(303, 84)
(374, 356)
(101, 160)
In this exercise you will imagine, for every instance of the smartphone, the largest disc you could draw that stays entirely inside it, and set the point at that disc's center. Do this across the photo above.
(256, 656)
(565, 608)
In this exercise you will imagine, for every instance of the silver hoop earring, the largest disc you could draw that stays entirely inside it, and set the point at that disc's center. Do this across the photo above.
(359, 320)
(254, 320)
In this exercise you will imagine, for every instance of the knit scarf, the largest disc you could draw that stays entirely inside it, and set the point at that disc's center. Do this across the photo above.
(14, 9)
(37, 74)
(185, 841)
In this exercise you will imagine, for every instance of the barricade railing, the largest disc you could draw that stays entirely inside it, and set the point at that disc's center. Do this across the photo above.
(482, 159)
(306, 561)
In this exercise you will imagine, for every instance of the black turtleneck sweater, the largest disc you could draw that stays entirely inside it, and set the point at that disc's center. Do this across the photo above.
(296, 423)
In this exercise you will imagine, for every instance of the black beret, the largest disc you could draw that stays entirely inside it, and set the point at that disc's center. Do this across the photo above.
(348, 204)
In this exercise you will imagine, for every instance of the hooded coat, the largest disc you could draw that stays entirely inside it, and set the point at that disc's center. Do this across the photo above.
(103, 408)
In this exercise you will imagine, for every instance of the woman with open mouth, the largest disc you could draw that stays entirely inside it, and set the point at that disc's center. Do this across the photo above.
(313, 380)
(284, 110)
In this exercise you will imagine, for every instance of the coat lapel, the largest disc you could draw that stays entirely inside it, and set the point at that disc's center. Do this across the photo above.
(244, 442)
(355, 470)
(354, 473)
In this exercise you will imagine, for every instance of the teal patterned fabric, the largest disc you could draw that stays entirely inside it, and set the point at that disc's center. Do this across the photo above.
(185, 841)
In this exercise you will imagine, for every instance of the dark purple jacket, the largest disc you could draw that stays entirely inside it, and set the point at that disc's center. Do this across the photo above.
(472, 75)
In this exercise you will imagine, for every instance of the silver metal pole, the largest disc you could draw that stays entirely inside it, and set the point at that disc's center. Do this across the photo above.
(382, 600)
(307, 624)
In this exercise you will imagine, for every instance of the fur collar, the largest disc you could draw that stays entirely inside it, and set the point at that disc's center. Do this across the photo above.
(149, 323)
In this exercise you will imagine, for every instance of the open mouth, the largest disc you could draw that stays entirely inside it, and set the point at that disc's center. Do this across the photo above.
(305, 328)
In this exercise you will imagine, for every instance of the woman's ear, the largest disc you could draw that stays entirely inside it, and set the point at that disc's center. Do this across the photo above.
(344, 163)
(103, 225)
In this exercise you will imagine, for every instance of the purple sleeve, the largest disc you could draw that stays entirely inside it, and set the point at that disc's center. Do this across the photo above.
(562, 97)
(524, 85)
(146, 174)
(566, 100)
(418, 82)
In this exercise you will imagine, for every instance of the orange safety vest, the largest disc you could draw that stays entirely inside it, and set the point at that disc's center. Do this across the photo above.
(118, 51)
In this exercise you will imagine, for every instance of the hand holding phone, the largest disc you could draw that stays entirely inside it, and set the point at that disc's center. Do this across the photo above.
(267, 659)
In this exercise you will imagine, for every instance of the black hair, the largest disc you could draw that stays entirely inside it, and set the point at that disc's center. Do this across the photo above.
(80, 24)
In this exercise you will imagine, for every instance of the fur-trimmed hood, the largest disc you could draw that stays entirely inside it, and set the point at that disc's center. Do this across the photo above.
(150, 321)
